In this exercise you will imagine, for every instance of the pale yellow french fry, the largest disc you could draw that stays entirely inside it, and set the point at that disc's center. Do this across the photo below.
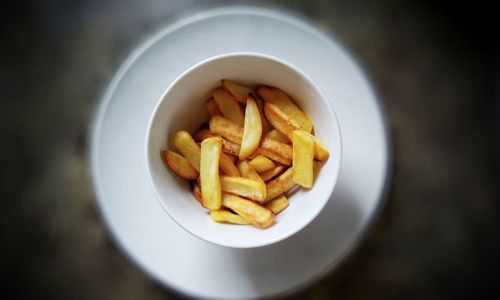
(252, 129)
(227, 166)
(211, 149)
(197, 193)
(248, 172)
(270, 148)
(242, 187)
(262, 164)
(188, 148)
(227, 217)
(212, 107)
(238, 91)
(280, 184)
(254, 213)
(228, 106)
(320, 151)
(278, 136)
(180, 165)
(277, 205)
(303, 158)
(266, 127)
(282, 101)
(268, 175)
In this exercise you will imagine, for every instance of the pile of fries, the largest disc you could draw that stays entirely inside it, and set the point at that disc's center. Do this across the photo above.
(258, 145)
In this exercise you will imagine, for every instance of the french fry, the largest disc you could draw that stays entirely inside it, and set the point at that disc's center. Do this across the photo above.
(252, 129)
(257, 215)
(180, 165)
(261, 164)
(303, 158)
(282, 101)
(268, 175)
(247, 171)
(280, 185)
(278, 136)
(228, 147)
(225, 216)
(211, 149)
(270, 148)
(266, 127)
(239, 92)
(277, 205)
(228, 106)
(212, 107)
(188, 148)
(227, 166)
(242, 187)
(320, 151)
(197, 193)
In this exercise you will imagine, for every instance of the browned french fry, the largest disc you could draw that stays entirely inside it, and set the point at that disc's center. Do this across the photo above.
(277, 205)
(211, 149)
(231, 157)
(252, 129)
(280, 185)
(239, 92)
(248, 172)
(203, 134)
(197, 193)
(227, 166)
(320, 151)
(225, 128)
(180, 165)
(282, 101)
(257, 215)
(227, 146)
(228, 106)
(278, 136)
(188, 148)
(266, 127)
(268, 175)
(243, 187)
(303, 158)
(227, 217)
(262, 164)
(212, 108)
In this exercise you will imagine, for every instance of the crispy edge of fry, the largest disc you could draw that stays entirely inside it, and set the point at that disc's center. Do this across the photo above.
(252, 129)
(244, 187)
(303, 159)
(238, 91)
(227, 166)
(224, 216)
(211, 149)
(277, 205)
(247, 171)
(254, 213)
(228, 106)
(268, 175)
(212, 107)
(279, 120)
(280, 184)
(278, 136)
(261, 163)
(180, 165)
(186, 145)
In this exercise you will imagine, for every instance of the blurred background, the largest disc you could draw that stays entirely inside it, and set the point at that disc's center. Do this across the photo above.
(435, 64)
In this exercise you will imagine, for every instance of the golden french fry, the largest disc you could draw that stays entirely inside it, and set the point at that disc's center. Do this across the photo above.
(228, 106)
(197, 193)
(268, 175)
(212, 107)
(228, 147)
(320, 151)
(278, 136)
(283, 102)
(257, 215)
(280, 185)
(247, 171)
(270, 148)
(188, 148)
(227, 166)
(266, 127)
(211, 149)
(239, 92)
(262, 164)
(303, 158)
(243, 187)
(203, 134)
(180, 165)
(227, 217)
(252, 130)
(277, 205)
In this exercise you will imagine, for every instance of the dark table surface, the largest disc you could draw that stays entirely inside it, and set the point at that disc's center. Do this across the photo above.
(435, 67)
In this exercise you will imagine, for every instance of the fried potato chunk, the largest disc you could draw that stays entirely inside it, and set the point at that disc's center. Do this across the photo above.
(303, 158)
(262, 164)
(277, 205)
(186, 145)
(252, 129)
(244, 187)
(228, 106)
(238, 91)
(180, 165)
(252, 212)
(211, 149)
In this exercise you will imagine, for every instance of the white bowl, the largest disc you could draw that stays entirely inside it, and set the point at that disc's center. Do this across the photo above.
(182, 106)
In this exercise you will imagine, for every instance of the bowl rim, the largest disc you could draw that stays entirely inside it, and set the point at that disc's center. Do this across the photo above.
(324, 100)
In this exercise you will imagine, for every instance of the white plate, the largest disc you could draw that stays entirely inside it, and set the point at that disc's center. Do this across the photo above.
(164, 250)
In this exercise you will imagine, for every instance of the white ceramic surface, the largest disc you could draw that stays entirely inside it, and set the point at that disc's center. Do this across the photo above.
(184, 263)
(182, 107)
